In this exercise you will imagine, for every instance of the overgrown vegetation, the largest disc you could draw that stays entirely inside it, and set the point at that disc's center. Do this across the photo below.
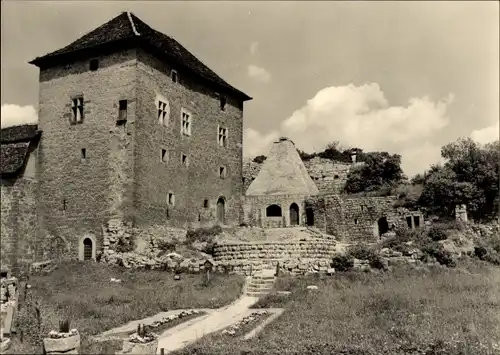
(83, 293)
(438, 312)
(204, 235)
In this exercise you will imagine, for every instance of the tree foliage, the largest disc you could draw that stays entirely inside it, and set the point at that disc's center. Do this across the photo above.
(470, 176)
(259, 159)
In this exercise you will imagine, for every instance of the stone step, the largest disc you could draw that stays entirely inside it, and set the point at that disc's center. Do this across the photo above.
(264, 278)
(254, 288)
(262, 282)
(257, 294)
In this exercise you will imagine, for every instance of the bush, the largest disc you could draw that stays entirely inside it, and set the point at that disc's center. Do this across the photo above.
(125, 245)
(377, 262)
(167, 246)
(208, 248)
(443, 256)
(202, 234)
(361, 251)
(437, 233)
(342, 263)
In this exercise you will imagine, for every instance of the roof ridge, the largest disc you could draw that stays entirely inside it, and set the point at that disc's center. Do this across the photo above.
(129, 15)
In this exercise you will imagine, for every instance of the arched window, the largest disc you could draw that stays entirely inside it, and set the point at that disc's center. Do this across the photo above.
(273, 211)
(87, 248)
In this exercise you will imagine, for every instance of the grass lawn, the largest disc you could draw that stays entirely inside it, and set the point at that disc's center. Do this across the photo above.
(402, 312)
(82, 292)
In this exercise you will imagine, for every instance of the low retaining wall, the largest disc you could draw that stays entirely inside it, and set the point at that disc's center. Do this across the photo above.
(274, 251)
(297, 257)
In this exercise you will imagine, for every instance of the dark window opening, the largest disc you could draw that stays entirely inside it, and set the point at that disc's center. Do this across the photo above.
(122, 112)
(64, 205)
(174, 76)
(416, 220)
(94, 64)
(273, 211)
(84, 153)
(164, 156)
(355, 221)
(223, 102)
(205, 203)
(222, 172)
(171, 199)
(362, 208)
(184, 160)
(294, 214)
(336, 177)
(408, 221)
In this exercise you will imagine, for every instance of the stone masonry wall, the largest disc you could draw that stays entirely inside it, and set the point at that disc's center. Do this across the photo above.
(78, 195)
(254, 210)
(329, 176)
(200, 180)
(296, 257)
(18, 222)
(356, 219)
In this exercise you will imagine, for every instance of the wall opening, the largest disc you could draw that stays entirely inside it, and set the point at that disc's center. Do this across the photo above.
(205, 203)
(84, 154)
(94, 64)
(416, 221)
(355, 221)
(87, 249)
(309, 216)
(408, 221)
(383, 226)
(221, 210)
(294, 214)
(273, 211)
(122, 113)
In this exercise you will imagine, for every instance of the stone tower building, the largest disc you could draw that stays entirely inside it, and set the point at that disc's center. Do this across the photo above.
(135, 128)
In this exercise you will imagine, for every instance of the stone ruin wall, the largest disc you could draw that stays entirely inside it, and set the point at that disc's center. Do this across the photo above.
(329, 176)
(355, 219)
(18, 223)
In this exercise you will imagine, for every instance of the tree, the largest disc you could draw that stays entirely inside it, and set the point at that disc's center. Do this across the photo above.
(380, 169)
(470, 176)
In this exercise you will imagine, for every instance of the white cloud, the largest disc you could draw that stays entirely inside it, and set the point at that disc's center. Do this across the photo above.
(259, 73)
(255, 143)
(254, 48)
(13, 115)
(360, 116)
(486, 135)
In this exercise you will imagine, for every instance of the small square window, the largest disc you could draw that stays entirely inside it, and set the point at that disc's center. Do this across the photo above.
(94, 64)
(184, 159)
(171, 199)
(205, 203)
(84, 153)
(222, 172)
(122, 112)
(174, 75)
(164, 156)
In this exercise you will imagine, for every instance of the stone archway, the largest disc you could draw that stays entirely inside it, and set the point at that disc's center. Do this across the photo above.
(221, 210)
(87, 248)
(294, 214)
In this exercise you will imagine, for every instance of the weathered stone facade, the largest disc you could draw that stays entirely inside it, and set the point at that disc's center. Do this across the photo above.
(120, 161)
(360, 219)
(18, 222)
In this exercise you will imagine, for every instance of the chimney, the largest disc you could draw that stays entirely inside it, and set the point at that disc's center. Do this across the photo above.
(353, 157)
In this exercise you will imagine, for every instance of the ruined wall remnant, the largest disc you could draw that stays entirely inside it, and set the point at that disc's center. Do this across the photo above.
(18, 222)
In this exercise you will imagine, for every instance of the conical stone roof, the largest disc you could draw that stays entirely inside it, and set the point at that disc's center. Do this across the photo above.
(283, 173)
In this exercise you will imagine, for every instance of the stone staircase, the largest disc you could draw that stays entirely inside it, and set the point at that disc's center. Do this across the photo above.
(261, 283)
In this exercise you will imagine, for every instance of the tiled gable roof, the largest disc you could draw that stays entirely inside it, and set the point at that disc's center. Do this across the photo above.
(19, 133)
(127, 26)
(14, 147)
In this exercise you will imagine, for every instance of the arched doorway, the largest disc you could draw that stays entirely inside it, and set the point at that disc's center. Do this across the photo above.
(309, 216)
(221, 210)
(87, 249)
(294, 214)
(383, 226)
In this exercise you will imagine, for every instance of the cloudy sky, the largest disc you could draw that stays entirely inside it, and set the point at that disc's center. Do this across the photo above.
(406, 77)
